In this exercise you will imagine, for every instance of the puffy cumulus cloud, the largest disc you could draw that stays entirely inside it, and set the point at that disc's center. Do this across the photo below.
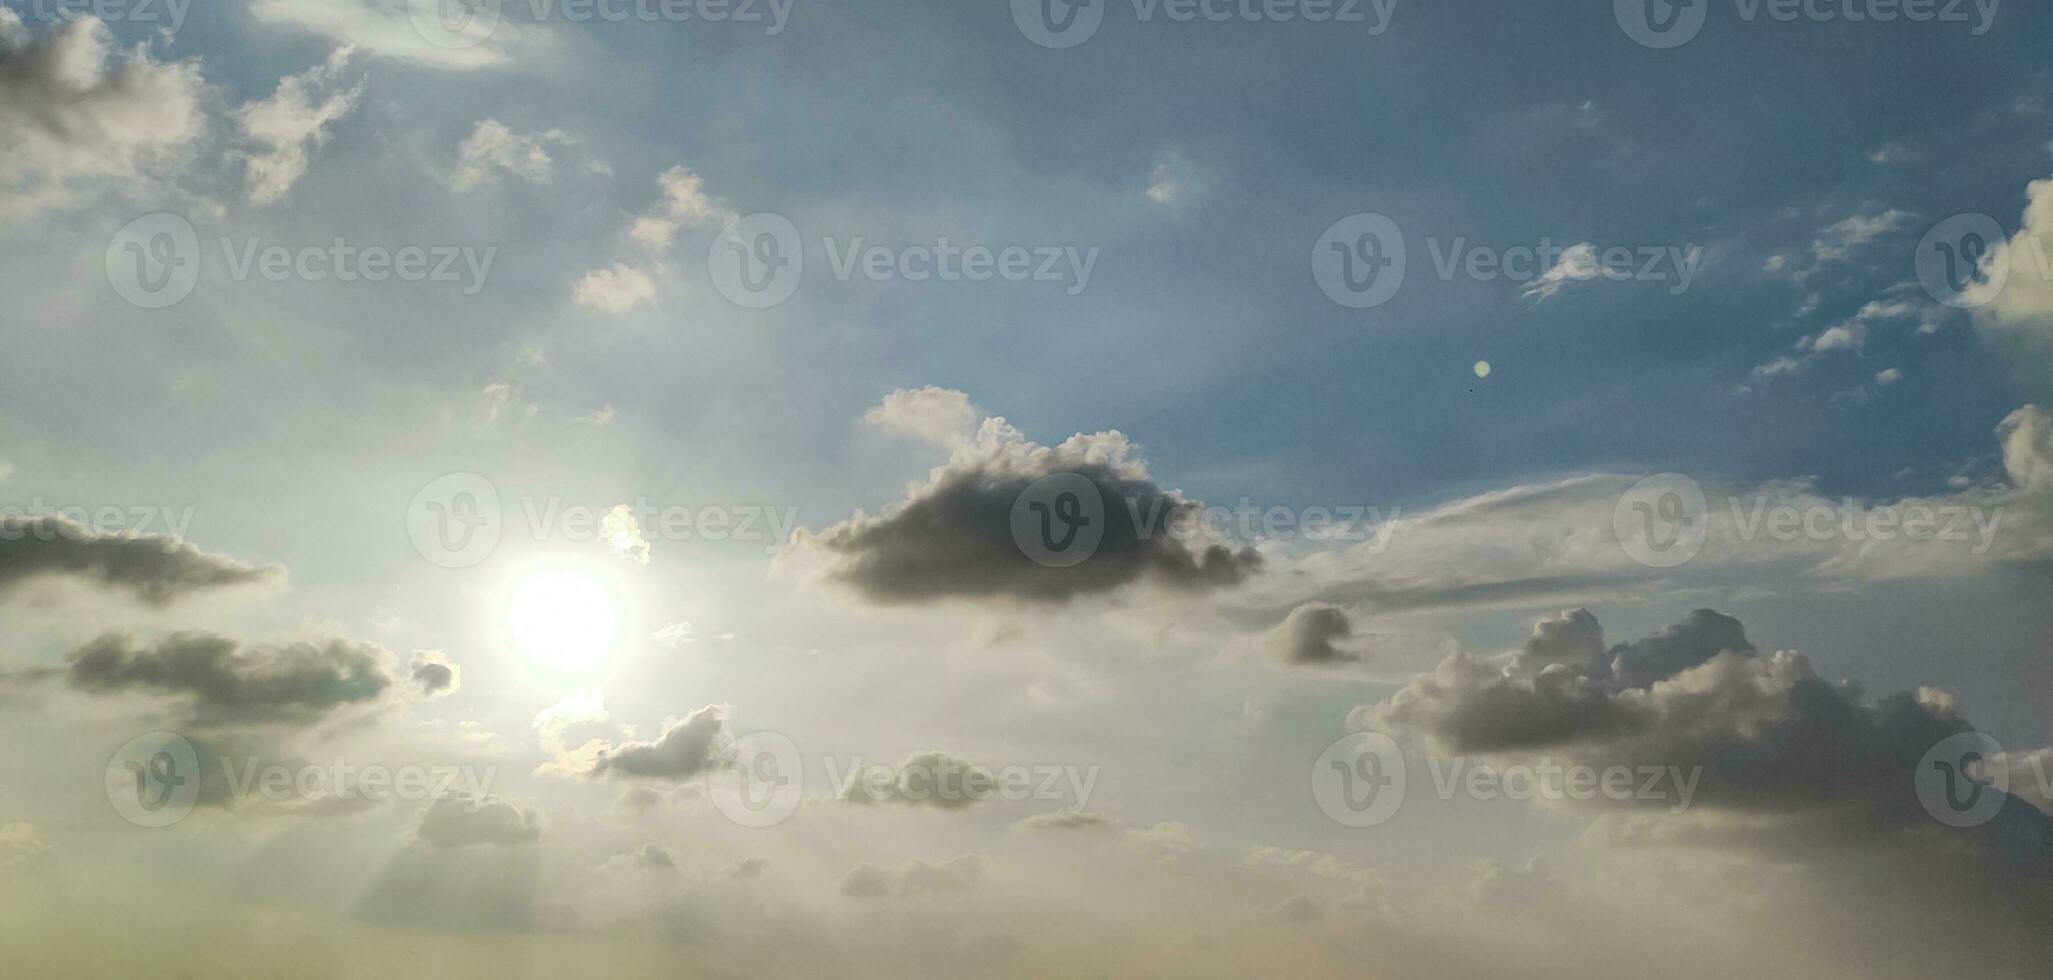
(1307, 637)
(688, 746)
(623, 534)
(959, 535)
(915, 877)
(154, 569)
(224, 681)
(493, 149)
(934, 779)
(285, 128)
(685, 205)
(403, 30)
(73, 109)
(433, 674)
(939, 416)
(647, 857)
(2015, 294)
(2028, 448)
(462, 821)
(1767, 734)
(617, 289)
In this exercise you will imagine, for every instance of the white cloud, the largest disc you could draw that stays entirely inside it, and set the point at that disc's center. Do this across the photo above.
(1577, 264)
(295, 119)
(1842, 237)
(684, 205)
(493, 149)
(2022, 300)
(618, 289)
(73, 111)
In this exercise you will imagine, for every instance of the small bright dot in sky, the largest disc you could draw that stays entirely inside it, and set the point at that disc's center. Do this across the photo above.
(1482, 369)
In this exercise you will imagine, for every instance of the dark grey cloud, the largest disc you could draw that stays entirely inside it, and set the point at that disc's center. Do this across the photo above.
(154, 569)
(955, 537)
(433, 674)
(687, 747)
(1307, 636)
(224, 681)
(461, 821)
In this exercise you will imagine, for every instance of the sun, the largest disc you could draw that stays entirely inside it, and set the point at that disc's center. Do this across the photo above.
(563, 621)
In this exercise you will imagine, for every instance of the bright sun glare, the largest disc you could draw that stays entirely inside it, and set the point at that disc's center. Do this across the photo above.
(563, 621)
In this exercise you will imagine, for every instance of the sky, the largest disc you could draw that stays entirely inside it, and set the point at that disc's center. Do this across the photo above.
(1354, 488)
